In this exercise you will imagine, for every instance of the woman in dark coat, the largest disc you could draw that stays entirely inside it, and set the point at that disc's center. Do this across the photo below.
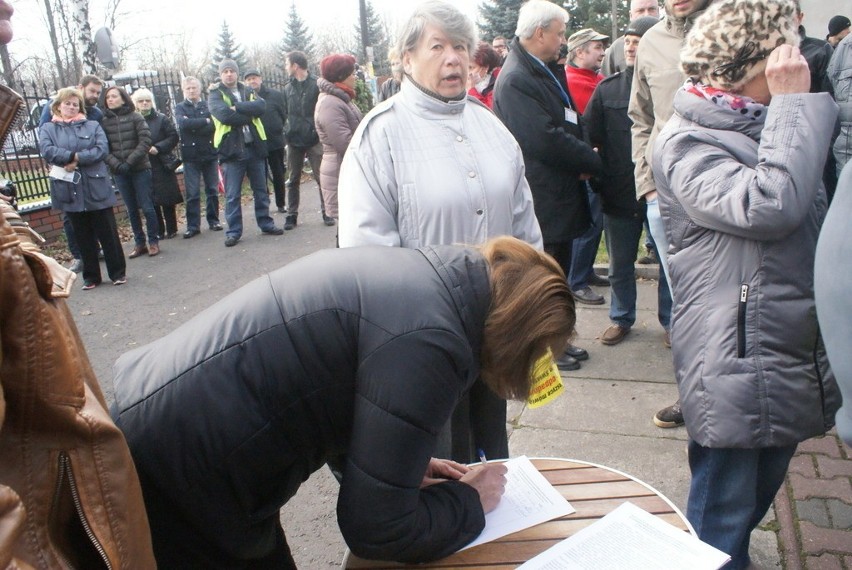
(164, 139)
(129, 141)
(79, 146)
(229, 414)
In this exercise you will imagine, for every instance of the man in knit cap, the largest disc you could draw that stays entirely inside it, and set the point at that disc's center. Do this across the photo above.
(240, 140)
(609, 131)
(656, 77)
(738, 168)
(838, 28)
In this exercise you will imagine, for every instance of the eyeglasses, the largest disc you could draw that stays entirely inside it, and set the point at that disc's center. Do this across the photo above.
(735, 70)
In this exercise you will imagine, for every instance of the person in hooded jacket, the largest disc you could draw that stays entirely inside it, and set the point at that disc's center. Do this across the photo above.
(164, 138)
(738, 169)
(79, 146)
(229, 414)
(129, 141)
(336, 117)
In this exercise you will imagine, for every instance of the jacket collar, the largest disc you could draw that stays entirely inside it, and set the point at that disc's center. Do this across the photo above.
(681, 26)
(704, 113)
(426, 106)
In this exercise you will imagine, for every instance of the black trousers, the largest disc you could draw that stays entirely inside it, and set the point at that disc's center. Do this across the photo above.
(167, 219)
(561, 252)
(90, 228)
(275, 163)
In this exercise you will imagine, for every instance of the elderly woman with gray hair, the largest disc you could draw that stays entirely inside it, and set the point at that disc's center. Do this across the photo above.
(434, 166)
(738, 169)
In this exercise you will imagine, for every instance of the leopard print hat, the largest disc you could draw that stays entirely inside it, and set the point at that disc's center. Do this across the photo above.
(728, 45)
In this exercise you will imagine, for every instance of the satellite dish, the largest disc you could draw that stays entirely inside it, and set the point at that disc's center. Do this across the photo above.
(107, 50)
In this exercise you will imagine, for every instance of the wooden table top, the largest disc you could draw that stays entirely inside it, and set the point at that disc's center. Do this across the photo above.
(593, 490)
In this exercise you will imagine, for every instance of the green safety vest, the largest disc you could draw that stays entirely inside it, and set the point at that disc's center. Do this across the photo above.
(222, 129)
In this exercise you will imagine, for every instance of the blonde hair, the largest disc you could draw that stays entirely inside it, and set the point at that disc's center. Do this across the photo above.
(63, 95)
(531, 310)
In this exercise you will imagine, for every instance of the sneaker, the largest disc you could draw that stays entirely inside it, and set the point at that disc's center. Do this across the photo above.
(328, 220)
(231, 241)
(587, 296)
(669, 417)
(598, 280)
(89, 285)
(188, 234)
(215, 227)
(76, 265)
(282, 210)
(290, 221)
(120, 281)
(273, 231)
(614, 334)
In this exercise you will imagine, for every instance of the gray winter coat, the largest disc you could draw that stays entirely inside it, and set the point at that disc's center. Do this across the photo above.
(743, 201)
(840, 75)
(336, 118)
(87, 140)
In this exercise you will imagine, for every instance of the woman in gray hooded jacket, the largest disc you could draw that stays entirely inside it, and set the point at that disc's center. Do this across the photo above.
(740, 191)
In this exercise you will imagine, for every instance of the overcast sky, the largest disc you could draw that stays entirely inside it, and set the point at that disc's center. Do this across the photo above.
(251, 21)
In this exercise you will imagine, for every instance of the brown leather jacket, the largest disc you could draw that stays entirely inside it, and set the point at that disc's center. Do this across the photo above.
(69, 493)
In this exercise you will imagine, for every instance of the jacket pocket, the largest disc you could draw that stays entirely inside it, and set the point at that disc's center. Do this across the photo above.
(742, 307)
(70, 533)
(62, 192)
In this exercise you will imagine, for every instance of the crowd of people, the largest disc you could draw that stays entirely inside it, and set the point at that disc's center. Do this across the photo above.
(480, 185)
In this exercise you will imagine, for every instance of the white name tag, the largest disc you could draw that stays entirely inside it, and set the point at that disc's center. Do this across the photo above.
(570, 116)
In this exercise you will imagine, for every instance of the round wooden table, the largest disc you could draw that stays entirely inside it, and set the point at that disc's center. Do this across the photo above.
(593, 490)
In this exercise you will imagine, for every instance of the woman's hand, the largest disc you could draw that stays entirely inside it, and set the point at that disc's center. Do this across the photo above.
(787, 71)
(441, 470)
(71, 166)
(490, 482)
(153, 150)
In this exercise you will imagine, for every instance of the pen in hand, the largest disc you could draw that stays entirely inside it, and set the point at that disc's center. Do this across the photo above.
(482, 458)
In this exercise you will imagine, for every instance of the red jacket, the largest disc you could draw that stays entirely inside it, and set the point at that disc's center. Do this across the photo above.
(581, 85)
(487, 95)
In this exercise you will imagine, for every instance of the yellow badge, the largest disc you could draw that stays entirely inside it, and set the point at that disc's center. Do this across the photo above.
(547, 382)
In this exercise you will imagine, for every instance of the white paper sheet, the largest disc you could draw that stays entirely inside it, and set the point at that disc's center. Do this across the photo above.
(629, 537)
(529, 500)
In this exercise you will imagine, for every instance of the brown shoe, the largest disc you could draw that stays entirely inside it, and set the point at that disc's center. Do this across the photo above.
(153, 250)
(614, 334)
(137, 251)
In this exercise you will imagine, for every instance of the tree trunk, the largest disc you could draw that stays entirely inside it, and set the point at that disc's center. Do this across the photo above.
(8, 75)
(85, 45)
(614, 10)
(365, 30)
(54, 41)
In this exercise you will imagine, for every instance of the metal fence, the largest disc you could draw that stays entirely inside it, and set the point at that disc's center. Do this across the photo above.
(20, 160)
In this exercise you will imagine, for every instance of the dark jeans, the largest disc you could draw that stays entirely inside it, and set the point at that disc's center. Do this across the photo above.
(275, 163)
(295, 161)
(192, 173)
(135, 190)
(730, 491)
(70, 237)
(586, 246)
(166, 219)
(622, 242)
(90, 228)
(253, 166)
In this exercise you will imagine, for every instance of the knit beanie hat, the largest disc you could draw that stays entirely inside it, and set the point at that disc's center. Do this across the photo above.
(228, 64)
(337, 67)
(729, 43)
(639, 26)
(837, 24)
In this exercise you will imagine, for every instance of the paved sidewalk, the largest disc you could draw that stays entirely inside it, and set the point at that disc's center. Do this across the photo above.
(604, 416)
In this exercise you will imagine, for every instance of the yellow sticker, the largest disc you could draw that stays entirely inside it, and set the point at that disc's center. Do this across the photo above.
(547, 382)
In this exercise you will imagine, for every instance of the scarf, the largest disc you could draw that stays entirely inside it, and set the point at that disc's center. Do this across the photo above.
(346, 89)
(58, 119)
(745, 106)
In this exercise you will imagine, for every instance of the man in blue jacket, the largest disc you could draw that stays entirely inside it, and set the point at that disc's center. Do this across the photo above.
(195, 126)
(240, 139)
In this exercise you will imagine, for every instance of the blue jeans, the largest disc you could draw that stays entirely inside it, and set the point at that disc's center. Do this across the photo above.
(585, 247)
(254, 166)
(730, 491)
(192, 173)
(135, 189)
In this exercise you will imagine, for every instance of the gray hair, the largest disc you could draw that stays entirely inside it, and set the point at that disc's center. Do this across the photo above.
(189, 79)
(447, 17)
(143, 92)
(538, 14)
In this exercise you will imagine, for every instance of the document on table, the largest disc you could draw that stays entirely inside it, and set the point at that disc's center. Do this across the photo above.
(529, 500)
(629, 537)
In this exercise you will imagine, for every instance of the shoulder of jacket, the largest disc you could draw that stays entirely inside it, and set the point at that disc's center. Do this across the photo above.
(370, 119)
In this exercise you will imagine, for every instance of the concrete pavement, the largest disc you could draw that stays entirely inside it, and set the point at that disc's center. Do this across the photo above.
(604, 416)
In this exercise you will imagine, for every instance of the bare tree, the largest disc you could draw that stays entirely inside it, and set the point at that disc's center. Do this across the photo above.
(54, 38)
(84, 45)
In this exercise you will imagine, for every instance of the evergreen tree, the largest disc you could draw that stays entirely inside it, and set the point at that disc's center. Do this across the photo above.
(377, 37)
(499, 18)
(297, 37)
(228, 48)
(596, 14)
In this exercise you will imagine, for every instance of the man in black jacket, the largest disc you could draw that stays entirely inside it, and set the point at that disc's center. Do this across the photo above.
(195, 126)
(240, 139)
(532, 99)
(301, 95)
(609, 130)
(273, 120)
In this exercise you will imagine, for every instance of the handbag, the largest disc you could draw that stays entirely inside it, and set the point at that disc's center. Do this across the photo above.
(170, 161)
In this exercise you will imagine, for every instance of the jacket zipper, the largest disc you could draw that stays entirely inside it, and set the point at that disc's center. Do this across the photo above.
(65, 469)
(741, 321)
